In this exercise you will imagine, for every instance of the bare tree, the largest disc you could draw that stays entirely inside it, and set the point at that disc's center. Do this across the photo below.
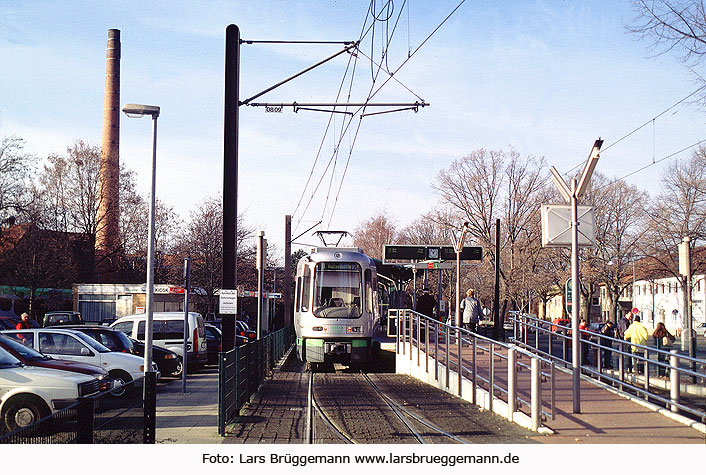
(673, 25)
(16, 168)
(372, 234)
(202, 241)
(679, 211)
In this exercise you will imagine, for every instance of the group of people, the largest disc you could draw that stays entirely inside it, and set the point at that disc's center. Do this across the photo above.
(470, 306)
(629, 328)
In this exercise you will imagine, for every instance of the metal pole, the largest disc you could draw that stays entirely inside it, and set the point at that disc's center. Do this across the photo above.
(230, 175)
(575, 301)
(496, 297)
(287, 281)
(187, 283)
(260, 280)
(511, 382)
(150, 255)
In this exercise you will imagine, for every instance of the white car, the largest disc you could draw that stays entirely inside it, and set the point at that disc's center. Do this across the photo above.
(28, 393)
(72, 345)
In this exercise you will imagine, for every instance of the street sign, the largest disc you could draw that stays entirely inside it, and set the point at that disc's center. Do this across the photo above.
(416, 253)
(469, 253)
(431, 252)
(556, 226)
(635, 310)
(228, 301)
(568, 295)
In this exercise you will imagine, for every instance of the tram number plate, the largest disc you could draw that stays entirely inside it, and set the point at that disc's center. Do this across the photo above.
(336, 329)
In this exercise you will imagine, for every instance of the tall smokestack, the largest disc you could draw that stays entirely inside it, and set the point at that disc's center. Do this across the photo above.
(107, 242)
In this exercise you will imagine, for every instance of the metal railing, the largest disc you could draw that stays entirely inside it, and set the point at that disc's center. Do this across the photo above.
(661, 376)
(242, 370)
(98, 419)
(493, 366)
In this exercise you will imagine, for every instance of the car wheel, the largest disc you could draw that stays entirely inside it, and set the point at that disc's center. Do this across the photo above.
(179, 368)
(120, 380)
(22, 413)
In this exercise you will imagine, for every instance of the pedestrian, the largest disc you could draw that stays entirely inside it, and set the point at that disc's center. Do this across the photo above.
(663, 341)
(426, 303)
(637, 334)
(471, 310)
(623, 325)
(23, 324)
(583, 332)
(607, 332)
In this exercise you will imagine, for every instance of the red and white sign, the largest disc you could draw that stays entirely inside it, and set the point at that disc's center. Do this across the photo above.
(635, 310)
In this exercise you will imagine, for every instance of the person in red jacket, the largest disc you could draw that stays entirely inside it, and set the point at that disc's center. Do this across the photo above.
(24, 323)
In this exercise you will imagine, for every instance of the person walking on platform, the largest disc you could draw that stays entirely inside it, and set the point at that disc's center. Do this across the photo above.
(426, 303)
(663, 341)
(607, 332)
(637, 334)
(622, 327)
(471, 310)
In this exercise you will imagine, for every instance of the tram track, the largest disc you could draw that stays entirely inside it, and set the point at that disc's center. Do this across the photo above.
(378, 417)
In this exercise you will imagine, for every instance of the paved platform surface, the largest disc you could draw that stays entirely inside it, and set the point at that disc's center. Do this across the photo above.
(276, 415)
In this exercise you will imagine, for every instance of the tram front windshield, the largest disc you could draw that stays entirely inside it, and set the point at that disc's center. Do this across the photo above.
(337, 290)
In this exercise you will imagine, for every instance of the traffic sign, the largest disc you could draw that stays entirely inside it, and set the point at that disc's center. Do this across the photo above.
(635, 310)
(228, 301)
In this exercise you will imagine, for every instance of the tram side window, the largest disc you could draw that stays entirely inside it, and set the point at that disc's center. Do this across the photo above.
(299, 295)
(305, 290)
(368, 291)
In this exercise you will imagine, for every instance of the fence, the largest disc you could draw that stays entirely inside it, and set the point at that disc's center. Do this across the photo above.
(664, 377)
(242, 370)
(98, 419)
(493, 372)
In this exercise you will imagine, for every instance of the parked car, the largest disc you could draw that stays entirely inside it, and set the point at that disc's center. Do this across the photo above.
(9, 323)
(112, 339)
(168, 332)
(242, 329)
(72, 345)
(168, 362)
(31, 357)
(558, 323)
(62, 318)
(28, 393)
(213, 343)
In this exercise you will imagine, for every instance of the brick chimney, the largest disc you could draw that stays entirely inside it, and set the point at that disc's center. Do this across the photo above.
(107, 239)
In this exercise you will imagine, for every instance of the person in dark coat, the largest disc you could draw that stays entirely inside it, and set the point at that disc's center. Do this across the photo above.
(622, 327)
(663, 341)
(607, 332)
(426, 303)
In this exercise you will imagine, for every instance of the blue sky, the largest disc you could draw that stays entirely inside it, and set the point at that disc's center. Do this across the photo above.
(546, 78)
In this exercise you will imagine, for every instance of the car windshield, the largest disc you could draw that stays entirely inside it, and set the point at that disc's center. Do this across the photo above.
(7, 360)
(337, 290)
(25, 351)
(92, 343)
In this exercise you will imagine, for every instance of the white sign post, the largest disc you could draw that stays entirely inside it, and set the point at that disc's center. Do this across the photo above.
(228, 302)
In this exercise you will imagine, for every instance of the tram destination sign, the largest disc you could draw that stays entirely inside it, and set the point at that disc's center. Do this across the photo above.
(420, 253)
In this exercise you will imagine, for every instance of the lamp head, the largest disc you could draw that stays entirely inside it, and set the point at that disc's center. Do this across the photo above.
(139, 110)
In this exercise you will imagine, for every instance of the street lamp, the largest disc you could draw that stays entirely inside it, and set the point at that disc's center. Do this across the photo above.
(139, 110)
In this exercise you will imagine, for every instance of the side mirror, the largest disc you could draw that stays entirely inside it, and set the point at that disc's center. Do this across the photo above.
(85, 352)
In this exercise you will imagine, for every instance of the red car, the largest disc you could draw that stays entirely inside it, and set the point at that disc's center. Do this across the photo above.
(31, 357)
(558, 323)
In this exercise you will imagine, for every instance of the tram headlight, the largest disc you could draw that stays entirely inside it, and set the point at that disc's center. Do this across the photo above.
(317, 329)
(354, 330)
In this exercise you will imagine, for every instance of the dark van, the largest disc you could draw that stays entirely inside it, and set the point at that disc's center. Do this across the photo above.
(62, 318)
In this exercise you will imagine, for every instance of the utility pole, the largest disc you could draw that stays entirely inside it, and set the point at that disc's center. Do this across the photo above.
(230, 176)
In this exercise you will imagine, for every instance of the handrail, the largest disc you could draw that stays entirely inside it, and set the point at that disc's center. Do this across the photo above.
(414, 328)
(646, 382)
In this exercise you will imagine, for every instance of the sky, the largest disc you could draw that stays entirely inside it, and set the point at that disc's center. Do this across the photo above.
(545, 78)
